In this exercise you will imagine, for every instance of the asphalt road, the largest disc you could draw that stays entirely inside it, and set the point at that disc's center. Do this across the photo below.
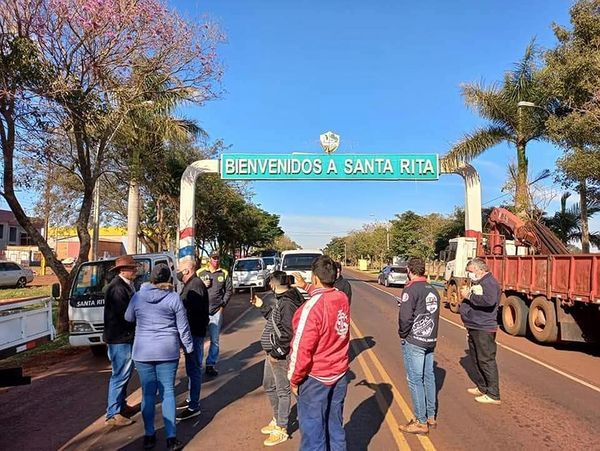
(546, 403)
(550, 396)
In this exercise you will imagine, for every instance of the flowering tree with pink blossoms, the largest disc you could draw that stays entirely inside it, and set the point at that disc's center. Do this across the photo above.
(66, 85)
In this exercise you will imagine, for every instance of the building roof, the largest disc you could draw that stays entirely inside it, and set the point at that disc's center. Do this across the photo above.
(8, 217)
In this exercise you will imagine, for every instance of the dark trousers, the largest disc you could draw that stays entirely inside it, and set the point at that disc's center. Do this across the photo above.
(321, 415)
(482, 347)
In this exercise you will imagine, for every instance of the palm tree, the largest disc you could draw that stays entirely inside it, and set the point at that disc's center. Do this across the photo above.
(149, 124)
(507, 121)
(566, 223)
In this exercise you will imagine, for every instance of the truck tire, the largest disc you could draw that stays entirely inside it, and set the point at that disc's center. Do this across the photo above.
(453, 298)
(542, 320)
(99, 351)
(514, 316)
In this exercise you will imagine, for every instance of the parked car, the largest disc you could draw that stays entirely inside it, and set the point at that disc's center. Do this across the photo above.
(271, 262)
(249, 272)
(393, 275)
(14, 275)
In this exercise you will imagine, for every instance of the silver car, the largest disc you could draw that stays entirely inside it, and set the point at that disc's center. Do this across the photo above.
(393, 275)
(14, 275)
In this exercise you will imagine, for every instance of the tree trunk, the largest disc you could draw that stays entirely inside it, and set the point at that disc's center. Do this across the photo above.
(522, 203)
(585, 230)
(133, 216)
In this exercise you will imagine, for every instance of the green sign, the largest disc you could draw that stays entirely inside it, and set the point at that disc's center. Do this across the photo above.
(329, 167)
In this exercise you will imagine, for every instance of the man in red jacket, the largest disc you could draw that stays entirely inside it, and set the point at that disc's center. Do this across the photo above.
(319, 359)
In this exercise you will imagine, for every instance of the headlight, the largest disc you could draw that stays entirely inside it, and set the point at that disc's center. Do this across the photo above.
(80, 326)
(260, 276)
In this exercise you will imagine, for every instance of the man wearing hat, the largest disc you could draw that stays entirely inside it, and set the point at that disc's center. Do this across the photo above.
(218, 284)
(118, 335)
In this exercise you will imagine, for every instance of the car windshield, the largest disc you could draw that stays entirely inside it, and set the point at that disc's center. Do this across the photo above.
(247, 265)
(93, 277)
(299, 261)
(269, 260)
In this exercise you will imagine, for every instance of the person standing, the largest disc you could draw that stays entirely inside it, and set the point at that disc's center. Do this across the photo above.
(161, 325)
(195, 301)
(341, 283)
(479, 314)
(118, 336)
(319, 359)
(418, 320)
(275, 341)
(219, 286)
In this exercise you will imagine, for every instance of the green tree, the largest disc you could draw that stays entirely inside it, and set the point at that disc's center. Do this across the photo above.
(566, 223)
(285, 243)
(507, 121)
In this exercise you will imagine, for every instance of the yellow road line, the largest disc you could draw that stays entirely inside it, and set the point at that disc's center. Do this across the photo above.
(406, 410)
(389, 416)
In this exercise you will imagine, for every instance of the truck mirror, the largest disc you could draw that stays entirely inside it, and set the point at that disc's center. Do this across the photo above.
(56, 290)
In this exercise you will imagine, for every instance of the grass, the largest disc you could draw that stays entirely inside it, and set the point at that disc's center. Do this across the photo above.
(27, 292)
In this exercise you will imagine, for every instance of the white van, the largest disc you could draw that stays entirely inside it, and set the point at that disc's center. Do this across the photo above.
(86, 299)
(249, 272)
(301, 261)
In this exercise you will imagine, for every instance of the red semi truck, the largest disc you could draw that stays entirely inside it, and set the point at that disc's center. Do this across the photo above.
(546, 291)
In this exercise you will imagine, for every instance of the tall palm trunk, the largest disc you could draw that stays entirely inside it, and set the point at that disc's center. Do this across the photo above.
(521, 189)
(133, 203)
(585, 230)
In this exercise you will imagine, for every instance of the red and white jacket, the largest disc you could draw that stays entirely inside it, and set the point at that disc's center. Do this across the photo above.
(321, 337)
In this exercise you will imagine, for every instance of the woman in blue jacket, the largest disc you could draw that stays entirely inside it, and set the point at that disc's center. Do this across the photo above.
(161, 325)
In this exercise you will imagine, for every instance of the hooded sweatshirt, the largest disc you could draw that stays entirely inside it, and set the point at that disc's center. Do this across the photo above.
(160, 324)
(279, 311)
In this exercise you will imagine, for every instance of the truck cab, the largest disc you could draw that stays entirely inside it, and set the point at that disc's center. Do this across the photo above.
(457, 255)
(86, 298)
(301, 261)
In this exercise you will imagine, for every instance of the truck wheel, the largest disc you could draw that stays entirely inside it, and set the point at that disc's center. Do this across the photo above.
(453, 298)
(542, 320)
(99, 351)
(514, 316)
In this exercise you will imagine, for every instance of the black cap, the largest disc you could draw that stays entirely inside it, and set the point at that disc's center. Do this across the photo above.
(160, 274)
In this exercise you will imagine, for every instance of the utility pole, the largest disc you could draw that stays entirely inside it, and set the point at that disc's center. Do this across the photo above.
(345, 255)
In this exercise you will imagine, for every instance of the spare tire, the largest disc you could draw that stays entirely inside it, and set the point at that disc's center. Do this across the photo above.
(514, 316)
(453, 298)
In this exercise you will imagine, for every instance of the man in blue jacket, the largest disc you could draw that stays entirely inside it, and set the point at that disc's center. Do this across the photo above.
(479, 313)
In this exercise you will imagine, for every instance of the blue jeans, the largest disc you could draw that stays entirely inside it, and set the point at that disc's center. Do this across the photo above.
(120, 359)
(418, 363)
(321, 415)
(158, 376)
(193, 369)
(214, 328)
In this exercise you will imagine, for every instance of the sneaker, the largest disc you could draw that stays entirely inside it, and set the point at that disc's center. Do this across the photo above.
(485, 399)
(149, 441)
(118, 421)
(278, 435)
(431, 423)
(269, 427)
(187, 414)
(173, 444)
(475, 391)
(183, 405)
(414, 427)
(128, 411)
(211, 371)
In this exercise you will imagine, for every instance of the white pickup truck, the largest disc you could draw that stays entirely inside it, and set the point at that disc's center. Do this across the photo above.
(301, 261)
(86, 298)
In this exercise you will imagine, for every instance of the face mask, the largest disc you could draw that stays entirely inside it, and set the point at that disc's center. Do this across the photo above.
(180, 276)
(472, 276)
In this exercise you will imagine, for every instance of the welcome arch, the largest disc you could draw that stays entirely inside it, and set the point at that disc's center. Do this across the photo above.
(392, 167)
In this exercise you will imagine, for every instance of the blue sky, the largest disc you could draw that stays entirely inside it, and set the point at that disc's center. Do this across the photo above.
(384, 75)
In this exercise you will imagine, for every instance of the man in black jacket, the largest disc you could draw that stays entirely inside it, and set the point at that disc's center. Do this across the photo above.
(278, 308)
(341, 283)
(118, 335)
(418, 321)
(479, 313)
(195, 299)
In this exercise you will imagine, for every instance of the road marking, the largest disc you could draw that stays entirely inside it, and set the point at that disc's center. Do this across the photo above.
(508, 348)
(389, 416)
(406, 410)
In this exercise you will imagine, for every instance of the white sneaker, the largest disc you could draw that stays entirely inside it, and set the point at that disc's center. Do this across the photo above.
(269, 427)
(474, 391)
(277, 436)
(485, 399)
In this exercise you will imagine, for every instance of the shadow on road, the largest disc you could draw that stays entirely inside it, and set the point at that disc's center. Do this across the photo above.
(358, 345)
(467, 363)
(368, 416)
(440, 376)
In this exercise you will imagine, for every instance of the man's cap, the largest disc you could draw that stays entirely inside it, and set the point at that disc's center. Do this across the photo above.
(214, 255)
(160, 274)
(124, 262)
